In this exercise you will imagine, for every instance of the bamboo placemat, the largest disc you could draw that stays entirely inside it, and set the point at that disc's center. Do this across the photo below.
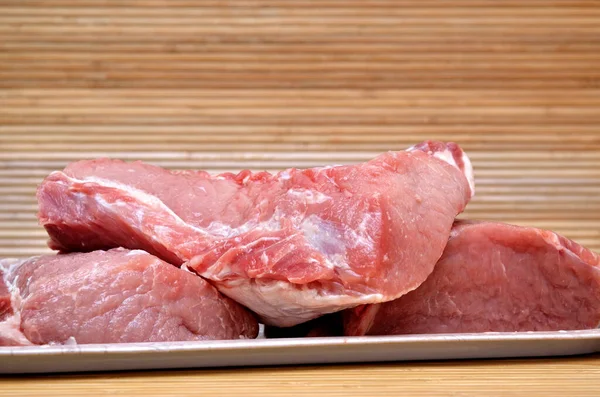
(263, 84)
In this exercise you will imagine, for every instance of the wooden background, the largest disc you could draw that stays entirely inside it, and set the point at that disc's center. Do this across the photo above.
(265, 84)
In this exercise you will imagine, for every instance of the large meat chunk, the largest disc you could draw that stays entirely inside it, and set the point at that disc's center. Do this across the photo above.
(113, 296)
(494, 277)
(290, 246)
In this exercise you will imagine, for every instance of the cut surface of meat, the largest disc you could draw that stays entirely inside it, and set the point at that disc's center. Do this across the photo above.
(5, 303)
(498, 278)
(112, 296)
(290, 246)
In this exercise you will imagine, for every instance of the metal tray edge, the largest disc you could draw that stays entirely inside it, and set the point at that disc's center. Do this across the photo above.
(259, 352)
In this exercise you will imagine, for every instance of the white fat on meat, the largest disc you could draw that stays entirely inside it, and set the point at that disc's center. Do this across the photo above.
(10, 327)
(327, 238)
(141, 196)
(362, 235)
(294, 299)
(308, 196)
(448, 157)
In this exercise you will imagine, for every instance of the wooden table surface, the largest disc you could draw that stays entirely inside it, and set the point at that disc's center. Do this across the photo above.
(266, 84)
(550, 377)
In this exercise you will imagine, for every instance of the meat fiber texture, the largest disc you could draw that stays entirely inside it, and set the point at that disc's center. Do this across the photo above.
(290, 246)
(494, 277)
(112, 296)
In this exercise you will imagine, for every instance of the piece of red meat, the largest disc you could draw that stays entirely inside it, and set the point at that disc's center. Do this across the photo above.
(5, 303)
(113, 296)
(290, 246)
(494, 277)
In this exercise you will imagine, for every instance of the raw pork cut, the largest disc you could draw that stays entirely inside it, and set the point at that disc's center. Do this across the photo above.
(290, 246)
(494, 277)
(112, 296)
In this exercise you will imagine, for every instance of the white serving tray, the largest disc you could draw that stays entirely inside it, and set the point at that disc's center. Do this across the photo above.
(138, 356)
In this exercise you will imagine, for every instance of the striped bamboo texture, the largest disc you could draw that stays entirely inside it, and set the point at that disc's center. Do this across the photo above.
(265, 84)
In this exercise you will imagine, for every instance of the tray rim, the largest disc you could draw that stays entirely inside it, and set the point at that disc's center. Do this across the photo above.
(52, 359)
(277, 343)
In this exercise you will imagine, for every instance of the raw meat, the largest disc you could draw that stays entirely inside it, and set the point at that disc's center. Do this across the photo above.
(494, 277)
(290, 246)
(5, 305)
(112, 296)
